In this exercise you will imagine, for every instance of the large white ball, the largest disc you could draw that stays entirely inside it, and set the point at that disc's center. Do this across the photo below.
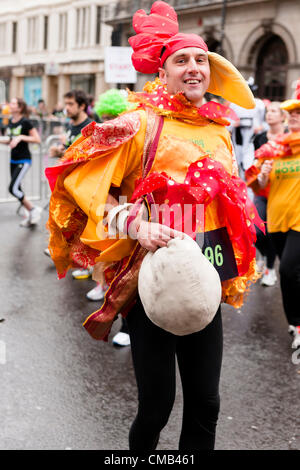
(179, 288)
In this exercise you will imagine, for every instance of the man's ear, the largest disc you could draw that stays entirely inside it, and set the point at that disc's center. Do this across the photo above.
(162, 75)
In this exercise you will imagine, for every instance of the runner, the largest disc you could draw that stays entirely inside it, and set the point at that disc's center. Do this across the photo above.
(275, 118)
(109, 105)
(76, 104)
(281, 169)
(186, 152)
(21, 132)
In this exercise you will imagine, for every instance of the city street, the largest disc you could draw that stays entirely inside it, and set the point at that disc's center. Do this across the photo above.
(60, 389)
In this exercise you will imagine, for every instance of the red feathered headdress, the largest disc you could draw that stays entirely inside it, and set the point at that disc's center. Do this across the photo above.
(157, 37)
(157, 31)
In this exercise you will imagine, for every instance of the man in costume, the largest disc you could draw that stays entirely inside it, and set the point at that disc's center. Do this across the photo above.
(170, 150)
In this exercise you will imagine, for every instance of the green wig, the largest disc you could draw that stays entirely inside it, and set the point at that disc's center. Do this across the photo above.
(113, 102)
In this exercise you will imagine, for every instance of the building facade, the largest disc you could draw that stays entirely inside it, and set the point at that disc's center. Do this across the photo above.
(260, 37)
(49, 47)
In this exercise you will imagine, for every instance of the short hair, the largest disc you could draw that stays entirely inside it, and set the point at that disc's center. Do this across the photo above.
(79, 96)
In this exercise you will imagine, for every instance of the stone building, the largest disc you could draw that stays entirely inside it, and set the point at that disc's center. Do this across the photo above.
(48, 47)
(260, 37)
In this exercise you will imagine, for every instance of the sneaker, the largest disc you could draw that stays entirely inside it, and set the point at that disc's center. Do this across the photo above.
(82, 273)
(25, 222)
(32, 218)
(291, 329)
(35, 215)
(121, 339)
(47, 252)
(269, 278)
(97, 293)
(296, 334)
(260, 265)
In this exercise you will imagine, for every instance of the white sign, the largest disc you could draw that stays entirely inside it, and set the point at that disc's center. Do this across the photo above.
(118, 66)
(51, 68)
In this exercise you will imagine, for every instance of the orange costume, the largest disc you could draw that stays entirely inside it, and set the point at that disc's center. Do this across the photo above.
(191, 162)
(283, 189)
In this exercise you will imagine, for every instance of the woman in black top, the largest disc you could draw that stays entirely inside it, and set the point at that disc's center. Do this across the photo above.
(21, 133)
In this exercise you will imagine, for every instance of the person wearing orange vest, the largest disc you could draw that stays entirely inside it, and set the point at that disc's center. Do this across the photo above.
(171, 151)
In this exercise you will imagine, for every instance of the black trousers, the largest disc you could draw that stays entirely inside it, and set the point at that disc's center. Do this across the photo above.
(264, 242)
(199, 357)
(287, 245)
(17, 173)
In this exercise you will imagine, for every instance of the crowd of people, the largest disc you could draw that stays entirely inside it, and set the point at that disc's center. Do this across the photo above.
(158, 127)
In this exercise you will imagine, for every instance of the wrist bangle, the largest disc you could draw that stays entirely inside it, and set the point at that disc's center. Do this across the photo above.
(115, 220)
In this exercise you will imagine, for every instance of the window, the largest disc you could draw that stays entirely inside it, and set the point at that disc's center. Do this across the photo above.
(83, 26)
(14, 36)
(85, 82)
(32, 33)
(2, 37)
(45, 33)
(271, 69)
(62, 40)
(98, 25)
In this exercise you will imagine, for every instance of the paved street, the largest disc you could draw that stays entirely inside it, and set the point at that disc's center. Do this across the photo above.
(61, 389)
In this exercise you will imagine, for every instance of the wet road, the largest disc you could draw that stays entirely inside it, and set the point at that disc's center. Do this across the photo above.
(60, 389)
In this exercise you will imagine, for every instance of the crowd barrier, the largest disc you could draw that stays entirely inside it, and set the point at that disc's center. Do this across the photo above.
(35, 184)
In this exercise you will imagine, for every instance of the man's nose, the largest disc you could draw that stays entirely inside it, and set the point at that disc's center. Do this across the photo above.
(192, 65)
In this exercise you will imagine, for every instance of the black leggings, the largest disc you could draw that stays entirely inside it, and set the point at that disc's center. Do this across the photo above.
(17, 173)
(199, 357)
(287, 245)
(264, 242)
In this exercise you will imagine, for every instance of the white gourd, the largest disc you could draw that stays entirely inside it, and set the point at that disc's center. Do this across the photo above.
(179, 288)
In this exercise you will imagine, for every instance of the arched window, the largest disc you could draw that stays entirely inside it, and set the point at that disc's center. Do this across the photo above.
(271, 69)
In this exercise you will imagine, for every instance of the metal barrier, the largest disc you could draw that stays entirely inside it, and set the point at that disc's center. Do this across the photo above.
(35, 184)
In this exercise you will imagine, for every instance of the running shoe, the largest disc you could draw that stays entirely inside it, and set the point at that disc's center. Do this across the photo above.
(47, 252)
(32, 218)
(260, 265)
(97, 293)
(82, 273)
(269, 278)
(296, 334)
(121, 339)
(35, 215)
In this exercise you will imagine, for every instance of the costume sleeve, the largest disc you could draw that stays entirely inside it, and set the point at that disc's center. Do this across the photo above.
(106, 154)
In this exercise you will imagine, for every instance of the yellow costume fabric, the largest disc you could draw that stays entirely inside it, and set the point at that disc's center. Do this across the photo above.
(283, 212)
(86, 186)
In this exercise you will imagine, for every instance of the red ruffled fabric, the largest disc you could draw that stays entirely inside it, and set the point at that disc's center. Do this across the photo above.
(273, 149)
(297, 94)
(206, 180)
(178, 106)
(157, 30)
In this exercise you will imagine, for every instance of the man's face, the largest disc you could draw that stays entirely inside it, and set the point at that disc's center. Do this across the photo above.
(187, 71)
(72, 108)
(294, 120)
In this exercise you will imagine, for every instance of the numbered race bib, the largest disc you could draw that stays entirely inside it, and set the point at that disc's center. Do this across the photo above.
(217, 248)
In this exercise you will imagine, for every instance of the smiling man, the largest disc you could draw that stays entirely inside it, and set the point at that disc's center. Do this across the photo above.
(171, 150)
(187, 71)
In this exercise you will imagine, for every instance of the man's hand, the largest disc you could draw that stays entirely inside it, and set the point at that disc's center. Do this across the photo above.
(152, 235)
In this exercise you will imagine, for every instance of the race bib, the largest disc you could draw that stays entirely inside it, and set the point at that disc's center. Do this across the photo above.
(217, 248)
